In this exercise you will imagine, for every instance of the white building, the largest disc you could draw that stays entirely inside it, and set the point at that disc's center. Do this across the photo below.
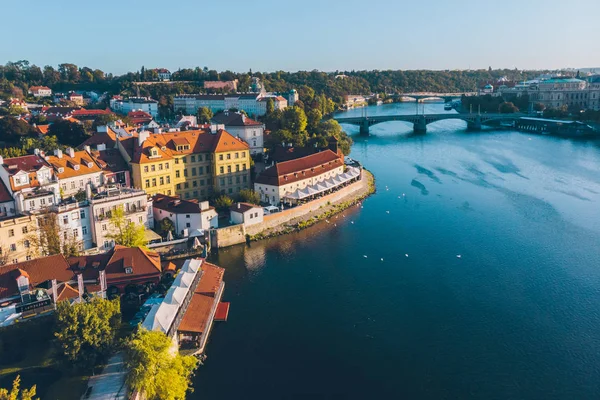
(254, 104)
(186, 215)
(31, 182)
(40, 91)
(125, 106)
(75, 171)
(163, 74)
(247, 129)
(135, 203)
(285, 178)
(75, 223)
(246, 213)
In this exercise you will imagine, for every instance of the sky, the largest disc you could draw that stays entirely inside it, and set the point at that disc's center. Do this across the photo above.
(328, 35)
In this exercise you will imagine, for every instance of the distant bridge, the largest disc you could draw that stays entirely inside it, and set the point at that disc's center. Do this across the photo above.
(418, 96)
(420, 121)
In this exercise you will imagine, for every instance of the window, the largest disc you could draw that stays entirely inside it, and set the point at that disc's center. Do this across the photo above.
(179, 186)
(42, 202)
(168, 192)
(166, 165)
(222, 181)
(177, 174)
(129, 270)
(26, 244)
(153, 182)
(201, 182)
(193, 158)
(228, 156)
(186, 185)
(168, 179)
(140, 219)
(146, 168)
(243, 154)
(72, 184)
(104, 227)
(147, 183)
(229, 169)
(84, 230)
(237, 179)
(194, 171)
(244, 167)
(28, 258)
(65, 219)
(185, 173)
(187, 195)
(162, 181)
(195, 183)
(32, 203)
(199, 157)
(237, 155)
(230, 190)
(74, 216)
(160, 167)
(237, 168)
(200, 170)
(24, 229)
(187, 225)
(75, 232)
(106, 244)
(220, 157)
(177, 161)
(152, 168)
(195, 193)
(184, 160)
(82, 214)
(13, 247)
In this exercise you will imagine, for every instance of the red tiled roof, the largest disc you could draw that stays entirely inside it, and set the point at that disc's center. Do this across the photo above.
(197, 315)
(242, 207)
(110, 160)
(39, 271)
(66, 292)
(4, 193)
(300, 168)
(175, 205)
(226, 142)
(43, 129)
(108, 138)
(88, 113)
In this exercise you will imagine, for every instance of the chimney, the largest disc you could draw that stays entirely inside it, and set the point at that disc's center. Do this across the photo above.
(88, 191)
(71, 152)
(213, 128)
(101, 147)
(1, 160)
(238, 206)
(142, 136)
(87, 148)
(36, 151)
(57, 153)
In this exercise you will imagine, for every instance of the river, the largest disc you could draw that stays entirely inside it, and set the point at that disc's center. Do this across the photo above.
(472, 273)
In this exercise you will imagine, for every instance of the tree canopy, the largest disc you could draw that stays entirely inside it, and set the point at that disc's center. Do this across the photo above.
(156, 371)
(16, 393)
(204, 115)
(126, 232)
(85, 332)
(249, 196)
(68, 133)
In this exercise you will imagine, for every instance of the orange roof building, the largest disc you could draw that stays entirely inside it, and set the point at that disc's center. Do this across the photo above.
(189, 164)
(75, 170)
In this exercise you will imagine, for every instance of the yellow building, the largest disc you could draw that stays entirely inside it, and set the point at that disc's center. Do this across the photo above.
(190, 164)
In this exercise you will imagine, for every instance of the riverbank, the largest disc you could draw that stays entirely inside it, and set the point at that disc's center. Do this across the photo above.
(302, 217)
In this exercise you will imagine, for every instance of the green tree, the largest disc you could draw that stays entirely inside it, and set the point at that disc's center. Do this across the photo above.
(16, 393)
(294, 119)
(12, 130)
(539, 107)
(105, 119)
(165, 226)
(85, 332)
(314, 117)
(204, 115)
(270, 106)
(125, 232)
(249, 196)
(223, 202)
(155, 370)
(68, 133)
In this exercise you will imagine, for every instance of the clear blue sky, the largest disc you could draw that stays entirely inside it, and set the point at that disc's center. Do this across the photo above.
(269, 35)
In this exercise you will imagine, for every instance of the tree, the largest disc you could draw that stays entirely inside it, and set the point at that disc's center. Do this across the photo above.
(12, 130)
(294, 119)
(125, 232)
(507, 108)
(104, 119)
(68, 133)
(156, 371)
(249, 196)
(165, 226)
(223, 202)
(85, 332)
(314, 116)
(45, 238)
(539, 107)
(270, 106)
(204, 115)
(16, 393)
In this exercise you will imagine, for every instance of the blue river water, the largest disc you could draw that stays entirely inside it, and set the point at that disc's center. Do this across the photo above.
(472, 273)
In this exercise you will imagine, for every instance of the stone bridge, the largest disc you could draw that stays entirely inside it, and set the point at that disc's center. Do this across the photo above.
(418, 96)
(420, 121)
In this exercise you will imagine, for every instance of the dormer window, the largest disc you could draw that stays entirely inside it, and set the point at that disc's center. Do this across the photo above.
(154, 153)
(61, 170)
(129, 270)
(89, 164)
(76, 167)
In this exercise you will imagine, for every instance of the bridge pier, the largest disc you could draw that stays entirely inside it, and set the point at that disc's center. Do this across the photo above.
(364, 127)
(420, 125)
(474, 125)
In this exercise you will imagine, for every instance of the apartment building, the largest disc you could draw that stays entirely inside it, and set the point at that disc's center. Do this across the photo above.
(75, 171)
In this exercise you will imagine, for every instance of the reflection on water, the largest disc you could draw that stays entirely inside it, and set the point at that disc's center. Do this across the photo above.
(340, 311)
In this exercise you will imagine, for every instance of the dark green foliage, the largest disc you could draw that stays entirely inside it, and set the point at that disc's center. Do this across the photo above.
(68, 133)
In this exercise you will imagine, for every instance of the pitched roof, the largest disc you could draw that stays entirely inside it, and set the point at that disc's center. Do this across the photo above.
(143, 263)
(197, 314)
(43, 129)
(298, 169)
(4, 193)
(225, 141)
(82, 163)
(242, 207)
(66, 292)
(109, 138)
(110, 160)
(89, 113)
(39, 271)
(175, 205)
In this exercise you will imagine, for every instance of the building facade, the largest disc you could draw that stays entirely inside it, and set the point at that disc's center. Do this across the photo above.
(186, 215)
(75, 170)
(125, 106)
(40, 91)
(247, 129)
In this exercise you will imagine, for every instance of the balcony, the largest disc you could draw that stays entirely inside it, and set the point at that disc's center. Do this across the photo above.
(130, 211)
